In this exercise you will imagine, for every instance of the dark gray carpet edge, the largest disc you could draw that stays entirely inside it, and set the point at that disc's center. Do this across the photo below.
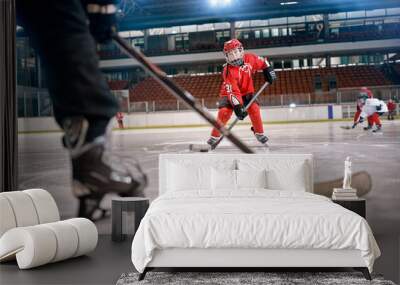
(254, 278)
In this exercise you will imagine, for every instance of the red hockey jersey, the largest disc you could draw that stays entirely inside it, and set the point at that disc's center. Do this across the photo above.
(238, 80)
(391, 106)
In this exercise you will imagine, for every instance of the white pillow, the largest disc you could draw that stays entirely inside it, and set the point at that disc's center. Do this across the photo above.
(223, 180)
(251, 179)
(281, 174)
(293, 180)
(183, 177)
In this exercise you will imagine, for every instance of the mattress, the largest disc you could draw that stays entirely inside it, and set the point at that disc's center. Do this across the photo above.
(256, 218)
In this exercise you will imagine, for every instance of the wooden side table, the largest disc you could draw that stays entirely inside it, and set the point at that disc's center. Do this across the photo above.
(138, 205)
(357, 205)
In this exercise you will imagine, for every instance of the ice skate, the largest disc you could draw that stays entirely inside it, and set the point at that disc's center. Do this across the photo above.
(260, 137)
(96, 171)
(378, 129)
(212, 141)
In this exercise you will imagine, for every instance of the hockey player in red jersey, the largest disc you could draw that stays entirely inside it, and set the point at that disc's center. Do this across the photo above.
(391, 109)
(237, 88)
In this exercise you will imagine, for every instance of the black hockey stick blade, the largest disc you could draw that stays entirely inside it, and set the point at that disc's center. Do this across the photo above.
(345, 127)
(178, 92)
(237, 120)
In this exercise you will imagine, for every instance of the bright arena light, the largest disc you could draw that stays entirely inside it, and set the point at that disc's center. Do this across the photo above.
(289, 3)
(219, 2)
(292, 105)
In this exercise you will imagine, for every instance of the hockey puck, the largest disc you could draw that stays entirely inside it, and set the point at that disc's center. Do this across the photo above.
(199, 147)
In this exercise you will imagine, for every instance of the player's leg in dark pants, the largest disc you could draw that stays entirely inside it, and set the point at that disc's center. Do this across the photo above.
(60, 34)
(83, 104)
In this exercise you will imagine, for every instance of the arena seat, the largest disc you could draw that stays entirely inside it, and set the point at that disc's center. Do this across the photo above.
(118, 84)
(300, 81)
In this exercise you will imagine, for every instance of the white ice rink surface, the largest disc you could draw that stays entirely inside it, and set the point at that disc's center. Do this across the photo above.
(44, 163)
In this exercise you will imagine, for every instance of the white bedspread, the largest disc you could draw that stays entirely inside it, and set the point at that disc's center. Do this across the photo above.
(250, 219)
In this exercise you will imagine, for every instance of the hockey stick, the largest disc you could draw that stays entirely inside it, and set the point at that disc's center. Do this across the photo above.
(237, 120)
(177, 91)
(206, 147)
(349, 127)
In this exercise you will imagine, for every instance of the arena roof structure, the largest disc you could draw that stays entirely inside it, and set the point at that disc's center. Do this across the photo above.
(142, 14)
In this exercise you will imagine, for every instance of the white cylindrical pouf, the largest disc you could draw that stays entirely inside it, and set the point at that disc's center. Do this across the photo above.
(45, 205)
(67, 239)
(7, 218)
(87, 234)
(23, 207)
(34, 246)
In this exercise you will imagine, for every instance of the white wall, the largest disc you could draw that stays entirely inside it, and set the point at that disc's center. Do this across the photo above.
(301, 113)
(175, 118)
(37, 124)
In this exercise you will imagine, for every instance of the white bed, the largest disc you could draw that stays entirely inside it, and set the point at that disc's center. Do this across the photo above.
(241, 210)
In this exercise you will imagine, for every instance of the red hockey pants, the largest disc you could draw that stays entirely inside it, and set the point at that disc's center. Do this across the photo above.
(374, 119)
(225, 113)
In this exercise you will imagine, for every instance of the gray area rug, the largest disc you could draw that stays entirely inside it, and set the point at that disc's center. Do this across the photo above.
(243, 278)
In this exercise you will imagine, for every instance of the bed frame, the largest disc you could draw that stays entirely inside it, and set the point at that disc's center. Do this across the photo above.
(246, 259)
(249, 259)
